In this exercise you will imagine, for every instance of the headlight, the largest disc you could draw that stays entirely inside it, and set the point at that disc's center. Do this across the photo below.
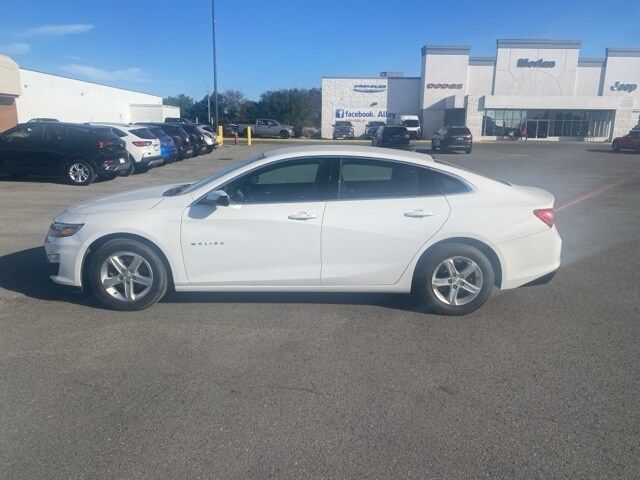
(57, 230)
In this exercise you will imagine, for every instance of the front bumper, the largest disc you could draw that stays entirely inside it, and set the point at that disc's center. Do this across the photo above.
(62, 260)
(455, 144)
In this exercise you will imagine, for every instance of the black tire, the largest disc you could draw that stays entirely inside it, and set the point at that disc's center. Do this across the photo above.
(72, 171)
(154, 269)
(615, 146)
(284, 134)
(131, 170)
(434, 147)
(426, 292)
(467, 150)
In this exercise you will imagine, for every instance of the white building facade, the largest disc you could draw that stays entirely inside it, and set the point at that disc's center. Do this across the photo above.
(539, 88)
(27, 94)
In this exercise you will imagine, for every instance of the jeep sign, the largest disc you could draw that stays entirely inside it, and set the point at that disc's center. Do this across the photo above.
(623, 87)
(540, 63)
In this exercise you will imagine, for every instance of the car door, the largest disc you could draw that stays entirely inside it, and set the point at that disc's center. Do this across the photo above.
(269, 234)
(261, 127)
(385, 212)
(20, 148)
(54, 148)
(273, 128)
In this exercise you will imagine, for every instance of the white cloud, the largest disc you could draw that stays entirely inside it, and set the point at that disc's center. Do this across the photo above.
(56, 30)
(134, 74)
(14, 48)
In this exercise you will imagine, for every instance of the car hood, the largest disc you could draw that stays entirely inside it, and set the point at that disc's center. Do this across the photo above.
(134, 200)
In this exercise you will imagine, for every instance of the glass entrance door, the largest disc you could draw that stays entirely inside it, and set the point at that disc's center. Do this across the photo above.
(543, 129)
(537, 128)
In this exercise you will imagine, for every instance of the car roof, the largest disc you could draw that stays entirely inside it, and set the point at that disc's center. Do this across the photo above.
(351, 150)
(66, 124)
(121, 126)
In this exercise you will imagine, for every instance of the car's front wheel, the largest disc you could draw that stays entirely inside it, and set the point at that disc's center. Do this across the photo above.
(126, 274)
(284, 134)
(456, 279)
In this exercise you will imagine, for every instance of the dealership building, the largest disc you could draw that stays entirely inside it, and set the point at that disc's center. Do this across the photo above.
(27, 94)
(541, 88)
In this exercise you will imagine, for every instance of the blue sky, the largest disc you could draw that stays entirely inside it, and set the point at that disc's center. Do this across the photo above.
(164, 47)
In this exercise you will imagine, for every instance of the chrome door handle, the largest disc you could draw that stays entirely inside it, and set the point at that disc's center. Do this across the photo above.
(418, 213)
(302, 216)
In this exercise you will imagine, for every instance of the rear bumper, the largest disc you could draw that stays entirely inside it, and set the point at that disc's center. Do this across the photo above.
(529, 259)
(457, 144)
(151, 161)
(116, 164)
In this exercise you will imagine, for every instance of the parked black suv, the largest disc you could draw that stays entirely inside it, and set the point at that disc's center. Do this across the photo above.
(343, 129)
(79, 153)
(179, 136)
(392, 136)
(452, 138)
(195, 136)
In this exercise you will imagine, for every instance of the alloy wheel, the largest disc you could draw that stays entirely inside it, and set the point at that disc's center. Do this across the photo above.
(126, 276)
(457, 281)
(79, 173)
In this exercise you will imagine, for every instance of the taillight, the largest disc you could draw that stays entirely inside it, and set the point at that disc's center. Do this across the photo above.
(101, 144)
(546, 215)
(142, 143)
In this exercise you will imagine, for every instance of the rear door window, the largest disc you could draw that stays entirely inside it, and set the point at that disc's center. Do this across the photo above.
(143, 133)
(370, 179)
(54, 133)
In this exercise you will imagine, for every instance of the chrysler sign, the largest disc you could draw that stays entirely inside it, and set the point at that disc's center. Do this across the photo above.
(540, 63)
(456, 86)
(369, 88)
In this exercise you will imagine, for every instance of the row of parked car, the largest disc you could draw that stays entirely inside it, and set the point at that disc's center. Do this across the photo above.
(82, 152)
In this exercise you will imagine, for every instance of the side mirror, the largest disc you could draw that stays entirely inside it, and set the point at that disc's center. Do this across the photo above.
(215, 198)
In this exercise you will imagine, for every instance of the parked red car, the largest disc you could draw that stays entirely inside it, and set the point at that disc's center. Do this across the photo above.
(631, 141)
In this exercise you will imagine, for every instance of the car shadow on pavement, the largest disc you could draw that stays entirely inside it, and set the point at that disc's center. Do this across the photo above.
(26, 272)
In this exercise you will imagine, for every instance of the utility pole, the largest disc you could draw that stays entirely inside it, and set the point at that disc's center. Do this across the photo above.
(208, 105)
(215, 68)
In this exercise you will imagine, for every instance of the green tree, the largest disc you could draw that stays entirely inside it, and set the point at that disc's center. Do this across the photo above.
(182, 101)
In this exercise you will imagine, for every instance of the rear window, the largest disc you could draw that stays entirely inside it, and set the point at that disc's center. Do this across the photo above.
(411, 123)
(343, 124)
(143, 133)
(459, 131)
(157, 131)
(388, 131)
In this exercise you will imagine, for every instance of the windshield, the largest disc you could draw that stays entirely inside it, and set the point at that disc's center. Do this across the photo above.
(411, 123)
(343, 124)
(223, 172)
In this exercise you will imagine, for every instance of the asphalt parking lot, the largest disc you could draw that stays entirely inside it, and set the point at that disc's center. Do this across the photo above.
(541, 382)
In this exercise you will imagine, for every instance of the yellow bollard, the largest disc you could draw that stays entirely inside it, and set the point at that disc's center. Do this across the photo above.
(220, 139)
(248, 135)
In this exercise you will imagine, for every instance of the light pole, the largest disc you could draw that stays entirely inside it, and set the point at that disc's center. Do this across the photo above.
(208, 105)
(215, 68)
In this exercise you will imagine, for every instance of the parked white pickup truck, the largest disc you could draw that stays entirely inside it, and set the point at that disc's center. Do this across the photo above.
(266, 127)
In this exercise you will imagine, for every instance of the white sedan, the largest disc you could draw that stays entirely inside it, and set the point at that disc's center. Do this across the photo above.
(325, 219)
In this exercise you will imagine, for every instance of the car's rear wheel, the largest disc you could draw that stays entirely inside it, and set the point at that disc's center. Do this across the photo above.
(126, 274)
(79, 172)
(615, 146)
(456, 279)
(284, 134)
(467, 150)
(131, 169)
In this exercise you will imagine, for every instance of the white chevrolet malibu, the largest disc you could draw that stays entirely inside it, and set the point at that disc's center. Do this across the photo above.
(326, 218)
